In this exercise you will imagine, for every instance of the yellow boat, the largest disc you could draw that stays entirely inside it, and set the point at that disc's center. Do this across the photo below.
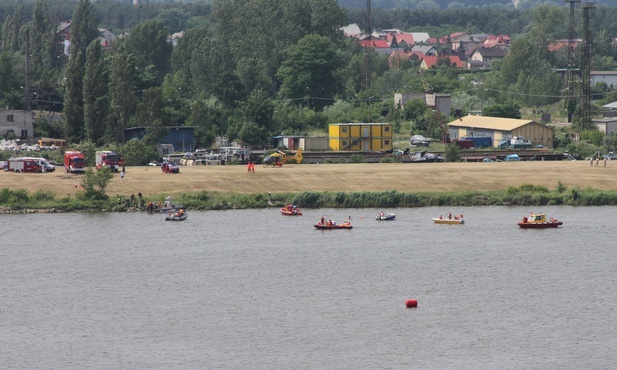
(456, 220)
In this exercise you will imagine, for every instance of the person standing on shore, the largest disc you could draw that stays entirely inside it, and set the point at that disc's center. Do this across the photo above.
(122, 176)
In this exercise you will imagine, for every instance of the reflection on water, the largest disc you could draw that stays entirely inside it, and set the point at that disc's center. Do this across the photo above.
(254, 289)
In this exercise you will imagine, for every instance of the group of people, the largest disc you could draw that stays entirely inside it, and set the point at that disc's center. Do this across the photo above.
(598, 161)
(152, 207)
(250, 167)
(132, 201)
(292, 209)
(178, 213)
(323, 222)
(450, 217)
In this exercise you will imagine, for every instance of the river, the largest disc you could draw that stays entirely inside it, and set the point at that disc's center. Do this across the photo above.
(251, 289)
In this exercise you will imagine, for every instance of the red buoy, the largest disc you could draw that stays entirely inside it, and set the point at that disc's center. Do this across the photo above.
(410, 303)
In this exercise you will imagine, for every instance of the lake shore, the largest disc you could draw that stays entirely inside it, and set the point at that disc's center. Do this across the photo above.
(284, 182)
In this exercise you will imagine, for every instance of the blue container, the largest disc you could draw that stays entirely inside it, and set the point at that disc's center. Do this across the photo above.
(480, 141)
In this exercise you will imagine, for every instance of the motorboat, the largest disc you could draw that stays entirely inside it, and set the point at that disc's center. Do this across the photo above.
(538, 221)
(331, 225)
(178, 216)
(385, 216)
(449, 220)
(291, 210)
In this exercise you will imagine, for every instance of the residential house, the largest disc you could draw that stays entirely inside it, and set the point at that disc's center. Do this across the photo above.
(467, 42)
(488, 55)
(497, 41)
(396, 58)
(107, 38)
(501, 129)
(16, 123)
(420, 37)
(424, 49)
(382, 34)
(400, 40)
(431, 61)
(380, 46)
(64, 29)
(447, 40)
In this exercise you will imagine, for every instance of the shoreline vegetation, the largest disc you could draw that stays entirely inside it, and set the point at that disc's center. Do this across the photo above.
(323, 186)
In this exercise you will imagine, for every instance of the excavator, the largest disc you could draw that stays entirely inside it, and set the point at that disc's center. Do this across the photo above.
(278, 158)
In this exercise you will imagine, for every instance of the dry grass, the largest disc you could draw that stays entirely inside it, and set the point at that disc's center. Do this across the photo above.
(334, 177)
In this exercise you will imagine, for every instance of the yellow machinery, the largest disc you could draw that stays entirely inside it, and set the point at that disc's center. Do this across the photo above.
(278, 158)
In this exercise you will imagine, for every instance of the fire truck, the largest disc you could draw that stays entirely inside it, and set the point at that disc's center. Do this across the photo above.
(74, 161)
(108, 159)
(24, 165)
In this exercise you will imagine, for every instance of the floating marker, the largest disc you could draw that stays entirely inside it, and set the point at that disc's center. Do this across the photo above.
(411, 303)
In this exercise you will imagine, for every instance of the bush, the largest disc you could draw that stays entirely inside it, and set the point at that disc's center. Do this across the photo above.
(357, 158)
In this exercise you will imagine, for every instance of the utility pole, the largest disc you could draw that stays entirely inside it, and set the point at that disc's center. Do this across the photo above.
(585, 123)
(367, 62)
(570, 101)
(27, 88)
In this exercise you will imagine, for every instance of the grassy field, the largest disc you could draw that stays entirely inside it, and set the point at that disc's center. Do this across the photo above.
(429, 177)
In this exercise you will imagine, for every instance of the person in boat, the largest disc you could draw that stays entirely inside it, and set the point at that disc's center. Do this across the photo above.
(322, 221)
(381, 214)
(524, 218)
(449, 215)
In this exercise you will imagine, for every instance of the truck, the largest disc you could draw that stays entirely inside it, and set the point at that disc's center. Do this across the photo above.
(74, 161)
(24, 165)
(107, 158)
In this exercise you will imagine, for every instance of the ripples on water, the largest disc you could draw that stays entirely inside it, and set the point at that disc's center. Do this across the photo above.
(253, 289)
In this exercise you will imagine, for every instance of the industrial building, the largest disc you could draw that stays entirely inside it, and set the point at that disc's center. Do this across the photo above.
(501, 129)
(360, 136)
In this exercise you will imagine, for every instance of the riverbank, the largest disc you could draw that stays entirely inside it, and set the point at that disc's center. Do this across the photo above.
(328, 185)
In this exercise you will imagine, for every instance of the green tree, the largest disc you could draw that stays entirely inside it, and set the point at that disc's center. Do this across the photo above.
(121, 90)
(414, 109)
(148, 44)
(310, 71)
(137, 152)
(9, 84)
(73, 97)
(94, 183)
(84, 27)
(45, 53)
(150, 108)
(96, 103)
(10, 31)
(506, 110)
